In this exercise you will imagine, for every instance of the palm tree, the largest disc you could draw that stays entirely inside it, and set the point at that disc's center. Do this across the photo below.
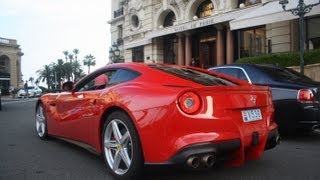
(60, 72)
(31, 79)
(89, 61)
(75, 53)
(66, 53)
(37, 82)
(45, 75)
(77, 70)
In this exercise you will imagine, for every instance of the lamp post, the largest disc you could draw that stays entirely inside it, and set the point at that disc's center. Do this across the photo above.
(300, 11)
(114, 54)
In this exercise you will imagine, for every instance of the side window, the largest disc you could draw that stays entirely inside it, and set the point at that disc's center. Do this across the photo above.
(99, 81)
(234, 72)
(123, 75)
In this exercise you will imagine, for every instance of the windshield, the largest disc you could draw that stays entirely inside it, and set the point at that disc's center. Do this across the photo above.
(199, 77)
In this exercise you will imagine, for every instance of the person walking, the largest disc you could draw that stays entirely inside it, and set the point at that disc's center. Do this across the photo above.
(11, 89)
(26, 89)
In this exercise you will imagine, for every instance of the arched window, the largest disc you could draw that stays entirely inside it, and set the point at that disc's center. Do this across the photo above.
(169, 20)
(205, 9)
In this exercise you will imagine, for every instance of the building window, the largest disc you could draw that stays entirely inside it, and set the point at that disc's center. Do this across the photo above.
(138, 54)
(169, 20)
(120, 35)
(313, 33)
(120, 31)
(135, 21)
(253, 42)
(4, 64)
(205, 9)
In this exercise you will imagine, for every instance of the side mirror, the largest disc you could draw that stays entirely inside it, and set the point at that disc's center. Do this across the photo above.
(67, 86)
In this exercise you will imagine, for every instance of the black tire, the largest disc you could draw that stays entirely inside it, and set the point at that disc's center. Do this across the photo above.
(126, 147)
(41, 122)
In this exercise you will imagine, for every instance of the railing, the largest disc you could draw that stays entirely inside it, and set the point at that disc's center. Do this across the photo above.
(118, 12)
(8, 41)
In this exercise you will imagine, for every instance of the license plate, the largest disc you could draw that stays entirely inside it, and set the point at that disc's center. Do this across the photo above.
(251, 115)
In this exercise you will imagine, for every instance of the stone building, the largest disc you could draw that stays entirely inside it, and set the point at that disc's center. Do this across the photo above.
(10, 64)
(207, 33)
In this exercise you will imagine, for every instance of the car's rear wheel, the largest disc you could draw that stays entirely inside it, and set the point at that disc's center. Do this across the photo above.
(121, 146)
(41, 122)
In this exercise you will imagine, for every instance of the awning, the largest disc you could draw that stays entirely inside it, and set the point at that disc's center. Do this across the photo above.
(269, 13)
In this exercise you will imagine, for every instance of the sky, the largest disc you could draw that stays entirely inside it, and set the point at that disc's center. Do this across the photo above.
(46, 28)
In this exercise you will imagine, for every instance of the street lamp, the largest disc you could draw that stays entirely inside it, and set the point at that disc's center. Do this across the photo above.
(300, 11)
(114, 53)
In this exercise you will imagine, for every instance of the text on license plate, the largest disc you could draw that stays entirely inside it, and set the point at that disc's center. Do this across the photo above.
(251, 115)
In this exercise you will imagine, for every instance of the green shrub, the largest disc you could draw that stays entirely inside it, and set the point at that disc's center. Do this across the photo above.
(283, 59)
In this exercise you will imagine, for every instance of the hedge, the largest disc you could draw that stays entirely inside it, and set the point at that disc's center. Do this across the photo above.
(283, 59)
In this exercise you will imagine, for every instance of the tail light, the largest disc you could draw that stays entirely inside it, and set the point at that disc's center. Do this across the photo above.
(305, 96)
(189, 102)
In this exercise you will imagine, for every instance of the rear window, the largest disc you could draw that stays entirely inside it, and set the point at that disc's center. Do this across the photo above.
(278, 73)
(193, 75)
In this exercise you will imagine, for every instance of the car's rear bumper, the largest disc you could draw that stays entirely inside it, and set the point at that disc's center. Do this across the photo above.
(222, 151)
(199, 150)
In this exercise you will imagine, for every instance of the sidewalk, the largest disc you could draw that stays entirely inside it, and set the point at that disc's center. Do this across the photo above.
(10, 98)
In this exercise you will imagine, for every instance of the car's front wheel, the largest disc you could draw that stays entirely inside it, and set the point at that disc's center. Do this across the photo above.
(41, 122)
(121, 146)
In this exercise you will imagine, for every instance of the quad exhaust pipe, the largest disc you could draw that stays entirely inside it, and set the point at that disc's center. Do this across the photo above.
(193, 162)
(315, 127)
(207, 161)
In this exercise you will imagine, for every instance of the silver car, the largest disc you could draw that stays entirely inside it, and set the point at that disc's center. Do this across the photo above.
(33, 91)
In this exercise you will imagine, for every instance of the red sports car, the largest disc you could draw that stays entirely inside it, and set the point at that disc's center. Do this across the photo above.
(161, 114)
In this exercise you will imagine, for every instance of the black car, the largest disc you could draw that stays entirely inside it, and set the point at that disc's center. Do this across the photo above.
(295, 96)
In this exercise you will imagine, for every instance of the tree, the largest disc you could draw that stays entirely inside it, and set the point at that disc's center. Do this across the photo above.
(77, 71)
(66, 53)
(59, 72)
(31, 79)
(75, 53)
(45, 75)
(89, 61)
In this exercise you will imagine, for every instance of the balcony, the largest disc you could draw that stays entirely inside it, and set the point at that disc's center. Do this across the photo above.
(118, 13)
(5, 41)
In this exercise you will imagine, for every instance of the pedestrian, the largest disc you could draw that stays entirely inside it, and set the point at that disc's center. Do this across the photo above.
(11, 89)
(26, 89)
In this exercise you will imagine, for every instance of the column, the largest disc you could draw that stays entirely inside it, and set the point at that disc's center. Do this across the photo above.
(188, 49)
(230, 46)
(220, 45)
(180, 50)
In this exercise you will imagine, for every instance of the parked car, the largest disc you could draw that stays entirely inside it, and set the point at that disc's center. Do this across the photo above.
(33, 91)
(160, 114)
(295, 96)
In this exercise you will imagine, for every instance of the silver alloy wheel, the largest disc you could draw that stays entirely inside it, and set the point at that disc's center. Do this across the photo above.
(118, 147)
(40, 121)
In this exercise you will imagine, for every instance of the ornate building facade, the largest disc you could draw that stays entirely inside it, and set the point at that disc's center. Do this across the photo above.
(10, 64)
(206, 33)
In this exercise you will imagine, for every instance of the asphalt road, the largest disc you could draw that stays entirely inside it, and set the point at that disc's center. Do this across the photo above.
(24, 156)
